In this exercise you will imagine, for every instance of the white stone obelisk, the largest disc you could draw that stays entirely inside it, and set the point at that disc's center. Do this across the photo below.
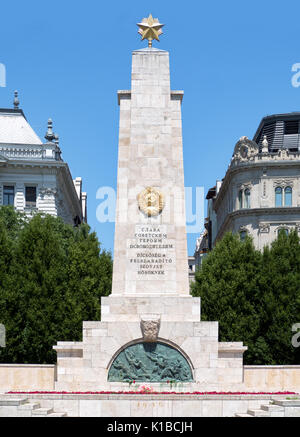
(150, 252)
(150, 300)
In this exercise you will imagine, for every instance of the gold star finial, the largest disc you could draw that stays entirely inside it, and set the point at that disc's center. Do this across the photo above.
(150, 29)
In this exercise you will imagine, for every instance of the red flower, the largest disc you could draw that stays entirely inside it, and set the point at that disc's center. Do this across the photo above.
(156, 392)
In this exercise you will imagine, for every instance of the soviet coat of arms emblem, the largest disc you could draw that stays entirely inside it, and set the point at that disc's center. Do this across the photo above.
(151, 201)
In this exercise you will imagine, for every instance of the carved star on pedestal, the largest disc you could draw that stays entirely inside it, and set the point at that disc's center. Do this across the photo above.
(150, 29)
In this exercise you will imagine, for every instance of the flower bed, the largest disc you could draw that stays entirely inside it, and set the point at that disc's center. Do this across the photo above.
(147, 391)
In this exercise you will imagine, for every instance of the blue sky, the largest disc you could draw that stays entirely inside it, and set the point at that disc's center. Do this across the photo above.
(233, 60)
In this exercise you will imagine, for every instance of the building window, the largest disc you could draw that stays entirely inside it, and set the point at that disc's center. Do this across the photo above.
(285, 200)
(30, 197)
(244, 198)
(243, 235)
(283, 230)
(288, 196)
(278, 196)
(8, 195)
(241, 199)
(247, 198)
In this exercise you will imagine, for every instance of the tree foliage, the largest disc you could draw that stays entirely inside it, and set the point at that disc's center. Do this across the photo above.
(254, 295)
(52, 277)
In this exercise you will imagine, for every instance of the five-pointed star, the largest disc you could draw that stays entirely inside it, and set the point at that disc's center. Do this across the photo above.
(150, 28)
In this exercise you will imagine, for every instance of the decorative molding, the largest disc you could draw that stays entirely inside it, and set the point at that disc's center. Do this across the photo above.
(283, 153)
(47, 191)
(261, 163)
(283, 183)
(264, 197)
(284, 226)
(245, 149)
(28, 152)
(150, 327)
(258, 213)
(49, 151)
(269, 159)
(264, 189)
(244, 186)
(265, 145)
(264, 228)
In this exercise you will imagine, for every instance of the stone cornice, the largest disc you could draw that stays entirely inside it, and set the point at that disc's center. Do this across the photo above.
(249, 165)
(257, 211)
(123, 94)
(126, 94)
(231, 347)
(20, 145)
(31, 152)
(36, 163)
(52, 166)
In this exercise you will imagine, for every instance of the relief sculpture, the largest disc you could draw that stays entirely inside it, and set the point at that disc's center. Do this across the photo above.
(153, 362)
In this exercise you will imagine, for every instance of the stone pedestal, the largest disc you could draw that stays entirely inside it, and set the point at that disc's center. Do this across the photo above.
(85, 365)
(150, 328)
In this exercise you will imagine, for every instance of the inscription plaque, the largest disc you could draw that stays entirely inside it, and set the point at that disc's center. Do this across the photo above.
(151, 254)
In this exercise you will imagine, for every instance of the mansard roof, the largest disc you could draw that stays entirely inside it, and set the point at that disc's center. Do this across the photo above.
(281, 130)
(15, 129)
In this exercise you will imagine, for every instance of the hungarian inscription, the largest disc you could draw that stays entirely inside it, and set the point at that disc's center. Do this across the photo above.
(151, 253)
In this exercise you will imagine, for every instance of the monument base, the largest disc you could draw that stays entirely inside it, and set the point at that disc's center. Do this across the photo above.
(141, 405)
(171, 322)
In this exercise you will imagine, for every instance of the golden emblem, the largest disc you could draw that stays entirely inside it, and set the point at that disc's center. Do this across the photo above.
(150, 29)
(151, 201)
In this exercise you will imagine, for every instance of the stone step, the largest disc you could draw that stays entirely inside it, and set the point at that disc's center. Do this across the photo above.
(42, 411)
(243, 415)
(288, 402)
(258, 413)
(272, 407)
(30, 406)
(57, 415)
(12, 402)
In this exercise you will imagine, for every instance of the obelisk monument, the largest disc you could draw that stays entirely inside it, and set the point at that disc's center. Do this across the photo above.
(150, 328)
(150, 250)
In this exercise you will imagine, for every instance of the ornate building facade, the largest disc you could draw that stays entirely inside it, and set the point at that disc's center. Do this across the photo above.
(260, 193)
(33, 175)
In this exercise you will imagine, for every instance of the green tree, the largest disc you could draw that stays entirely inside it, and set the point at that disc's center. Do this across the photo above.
(254, 296)
(13, 221)
(280, 286)
(227, 285)
(89, 275)
(53, 279)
